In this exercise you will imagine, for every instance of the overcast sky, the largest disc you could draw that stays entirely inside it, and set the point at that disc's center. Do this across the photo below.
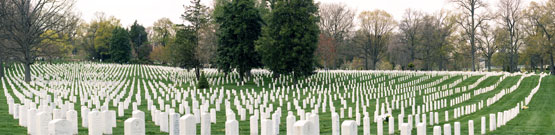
(146, 12)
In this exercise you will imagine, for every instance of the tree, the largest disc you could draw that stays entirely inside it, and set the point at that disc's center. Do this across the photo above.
(511, 19)
(138, 37)
(183, 48)
(470, 21)
(488, 42)
(326, 50)
(376, 28)
(27, 23)
(409, 27)
(289, 40)
(120, 48)
(542, 16)
(336, 22)
(436, 39)
(163, 29)
(198, 16)
(240, 27)
(95, 36)
(55, 46)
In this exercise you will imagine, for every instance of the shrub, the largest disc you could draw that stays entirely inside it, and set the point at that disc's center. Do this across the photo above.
(202, 82)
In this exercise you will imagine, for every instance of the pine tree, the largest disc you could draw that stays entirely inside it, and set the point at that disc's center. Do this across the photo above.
(119, 45)
(240, 27)
(290, 38)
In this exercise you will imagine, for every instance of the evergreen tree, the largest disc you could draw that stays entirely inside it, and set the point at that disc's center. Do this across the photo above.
(119, 45)
(240, 27)
(183, 48)
(198, 16)
(290, 38)
(138, 37)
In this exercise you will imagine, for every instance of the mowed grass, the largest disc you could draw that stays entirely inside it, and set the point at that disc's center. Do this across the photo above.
(539, 119)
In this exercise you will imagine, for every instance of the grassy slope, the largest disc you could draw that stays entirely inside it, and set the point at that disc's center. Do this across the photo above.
(538, 120)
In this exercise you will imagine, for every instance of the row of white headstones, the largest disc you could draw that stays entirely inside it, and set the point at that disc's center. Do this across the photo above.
(161, 118)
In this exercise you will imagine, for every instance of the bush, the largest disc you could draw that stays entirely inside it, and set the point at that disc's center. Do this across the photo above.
(202, 82)
(411, 66)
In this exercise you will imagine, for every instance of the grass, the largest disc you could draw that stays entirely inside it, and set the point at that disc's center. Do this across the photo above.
(539, 119)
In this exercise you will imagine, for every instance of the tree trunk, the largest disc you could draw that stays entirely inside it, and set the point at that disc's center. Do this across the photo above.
(374, 62)
(198, 72)
(488, 63)
(241, 74)
(552, 64)
(541, 65)
(365, 63)
(27, 72)
(1, 68)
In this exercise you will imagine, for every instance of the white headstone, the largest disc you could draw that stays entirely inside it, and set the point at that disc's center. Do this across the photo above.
(187, 125)
(290, 123)
(437, 130)
(447, 129)
(266, 127)
(59, 127)
(492, 122)
(163, 121)
(335, 123)
(380, 126)
(71, 115)
(470, 127)
(232, 127)
(457, 128)
(253, 125)
(420, 129)
(303, 127)
(31, 114)
(365, 125)
(42, 123)
(174, 124)
(106, 122)
(349, 127)
(138, 114)
(205, 124)
(84, 116)
(95, 125)
(134, 126)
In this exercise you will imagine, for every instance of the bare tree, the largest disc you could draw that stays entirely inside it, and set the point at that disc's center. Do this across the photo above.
(511, 19)
(337, 22)
(487, 43)
(28, 22)
(470, 21)
(409, 27)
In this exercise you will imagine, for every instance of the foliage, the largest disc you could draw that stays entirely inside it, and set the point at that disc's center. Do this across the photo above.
(120, 51)
(289, 40)
(163, 30)
(326, 51)
(183, 48)
(203, 82)
(55, 45)
(138, 37)
(373, 36)
(240, 27)
(161, 54)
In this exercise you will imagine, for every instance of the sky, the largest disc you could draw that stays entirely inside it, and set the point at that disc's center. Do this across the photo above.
(146, 12)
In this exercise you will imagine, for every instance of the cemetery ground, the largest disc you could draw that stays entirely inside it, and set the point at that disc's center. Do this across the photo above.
(464, 95)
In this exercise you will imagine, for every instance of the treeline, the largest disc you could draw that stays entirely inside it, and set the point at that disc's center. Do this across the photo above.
(292, 37)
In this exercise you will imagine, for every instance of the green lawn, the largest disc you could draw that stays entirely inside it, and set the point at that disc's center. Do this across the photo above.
(538, 119)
